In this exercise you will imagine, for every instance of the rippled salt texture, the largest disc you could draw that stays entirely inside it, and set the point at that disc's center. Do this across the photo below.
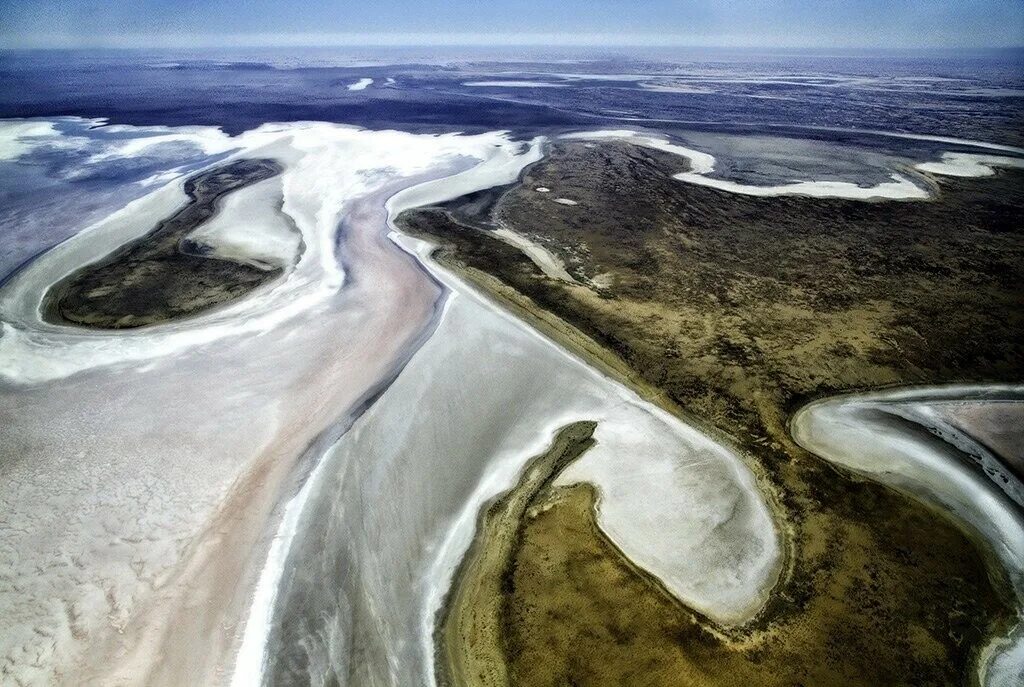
(397, 507)
(169, 539)
(142, 470)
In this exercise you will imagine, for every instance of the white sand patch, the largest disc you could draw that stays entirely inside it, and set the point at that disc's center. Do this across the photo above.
(250, 227)
(868, 433)
(702, 165)
(970, 164)
(548, 263)
(210, 140)
(515, 84)
(706, 531)
(160, 178)
(360, 85)
(900, 188)
(499, 166)
(19, 136)
(662, 502)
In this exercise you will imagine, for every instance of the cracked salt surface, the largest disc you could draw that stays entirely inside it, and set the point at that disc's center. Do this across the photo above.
(175, 444)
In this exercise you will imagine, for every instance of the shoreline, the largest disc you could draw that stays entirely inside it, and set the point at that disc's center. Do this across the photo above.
(470, 617)
(945, 481)
(539, 319)
(164, 632)
(250, 661)
(160, 256)
(270, 497)
(455, 277)
(522, 307)
(307, 546)
(243, 414)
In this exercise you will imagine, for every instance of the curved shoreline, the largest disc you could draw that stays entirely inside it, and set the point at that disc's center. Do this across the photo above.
(899, 188)
(931, 468)
(502, 474)
(371, 449)
(468, 634)
(267, 605)
(312, 432)
(507, 299)
(996, 643)
(245, 412)
(317, 494)
(144, 282)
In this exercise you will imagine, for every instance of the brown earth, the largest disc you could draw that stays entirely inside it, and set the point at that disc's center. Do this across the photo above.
(732, 311)
(163, 275)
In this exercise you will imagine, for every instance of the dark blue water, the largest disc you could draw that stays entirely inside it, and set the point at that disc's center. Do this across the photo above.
(703, 98)
(966, 95)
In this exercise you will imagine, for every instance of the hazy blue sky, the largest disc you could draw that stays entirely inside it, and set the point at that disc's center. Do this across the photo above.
(756, 23)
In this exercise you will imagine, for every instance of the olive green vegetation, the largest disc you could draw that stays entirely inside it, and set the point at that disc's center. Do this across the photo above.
(163, 275)
(470, 631)
(889, 612)
(735, 310)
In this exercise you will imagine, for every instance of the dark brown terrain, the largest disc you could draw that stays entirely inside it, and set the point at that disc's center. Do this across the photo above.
(163, 275)
(732, 311)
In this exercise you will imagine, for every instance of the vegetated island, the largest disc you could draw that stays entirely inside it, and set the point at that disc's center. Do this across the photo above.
(733, 311)
(164, 275)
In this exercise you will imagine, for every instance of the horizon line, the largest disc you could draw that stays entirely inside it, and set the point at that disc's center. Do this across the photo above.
(421, 40)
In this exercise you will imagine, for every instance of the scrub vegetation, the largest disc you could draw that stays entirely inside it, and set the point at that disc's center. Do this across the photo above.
(164, 275)
(732, 311)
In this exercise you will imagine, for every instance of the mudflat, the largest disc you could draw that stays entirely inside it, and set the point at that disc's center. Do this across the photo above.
(164, 275)
(734, 310)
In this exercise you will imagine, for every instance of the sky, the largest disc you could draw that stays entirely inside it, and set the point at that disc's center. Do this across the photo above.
(722, 23)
